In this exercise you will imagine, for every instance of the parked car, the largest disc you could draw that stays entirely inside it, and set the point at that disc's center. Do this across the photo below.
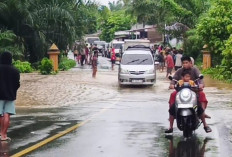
(137, 68)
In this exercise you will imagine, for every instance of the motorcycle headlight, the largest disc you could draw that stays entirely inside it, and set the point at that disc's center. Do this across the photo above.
(123, 71)
(185, 95)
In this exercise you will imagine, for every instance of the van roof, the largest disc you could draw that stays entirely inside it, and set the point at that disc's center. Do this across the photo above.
(117, 42)
(137, 52)
(137, 40)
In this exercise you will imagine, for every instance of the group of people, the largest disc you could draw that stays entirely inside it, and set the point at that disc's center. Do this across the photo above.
(90, 56)
(82, 54)
(168, 57)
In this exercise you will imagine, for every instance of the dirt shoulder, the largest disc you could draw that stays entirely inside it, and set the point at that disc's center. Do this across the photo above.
(66, 88)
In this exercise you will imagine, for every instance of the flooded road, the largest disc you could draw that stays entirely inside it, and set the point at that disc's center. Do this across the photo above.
(125, 122)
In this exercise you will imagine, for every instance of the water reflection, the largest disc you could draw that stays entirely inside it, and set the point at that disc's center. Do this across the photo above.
(192, 147)
(4, 149)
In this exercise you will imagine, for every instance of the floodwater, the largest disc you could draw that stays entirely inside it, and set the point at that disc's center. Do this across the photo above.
(128, 121)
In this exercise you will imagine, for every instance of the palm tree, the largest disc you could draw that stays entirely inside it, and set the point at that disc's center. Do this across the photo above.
(38, 23)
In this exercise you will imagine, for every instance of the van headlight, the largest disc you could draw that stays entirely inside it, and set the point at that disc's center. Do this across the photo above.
(151, 71)
(123, 71)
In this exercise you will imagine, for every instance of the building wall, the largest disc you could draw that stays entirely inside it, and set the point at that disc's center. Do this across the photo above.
(154, 36)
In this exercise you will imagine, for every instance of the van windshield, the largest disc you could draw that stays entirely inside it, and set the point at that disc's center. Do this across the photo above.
(91, 40)
(117, 46)
(137, 59)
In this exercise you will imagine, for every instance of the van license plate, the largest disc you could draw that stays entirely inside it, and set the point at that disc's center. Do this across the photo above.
(137, 81)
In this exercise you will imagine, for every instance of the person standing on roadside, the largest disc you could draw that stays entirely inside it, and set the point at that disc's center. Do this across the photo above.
(75, 52)
(82, 53)
(66, 51)
(86, 54)
(9, 84)
(161, 61)
(178, 63)
(94, 63)
(170, 64)
(113, 60)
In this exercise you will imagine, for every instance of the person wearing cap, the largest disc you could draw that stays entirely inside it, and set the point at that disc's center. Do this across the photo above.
(9, 83)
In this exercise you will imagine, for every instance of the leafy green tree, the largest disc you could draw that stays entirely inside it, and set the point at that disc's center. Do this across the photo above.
(103, 14)
(167, 12)
(118, 21)
(193, 44)
(213, 27)
(39, 23)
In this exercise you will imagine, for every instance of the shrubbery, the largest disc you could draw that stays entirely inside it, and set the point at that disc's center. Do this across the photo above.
(36, 65)
(23, 67)
(219, 73)
(66, 64)
(46, 66)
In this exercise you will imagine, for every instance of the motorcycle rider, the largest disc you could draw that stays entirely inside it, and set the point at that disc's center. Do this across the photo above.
(187, 65)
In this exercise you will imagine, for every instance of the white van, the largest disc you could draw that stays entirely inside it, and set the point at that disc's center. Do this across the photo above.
(137, 68)
(90, 40)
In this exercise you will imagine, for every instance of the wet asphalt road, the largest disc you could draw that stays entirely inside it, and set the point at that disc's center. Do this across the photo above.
(131, 124)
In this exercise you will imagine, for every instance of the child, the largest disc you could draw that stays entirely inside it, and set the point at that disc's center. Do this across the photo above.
(186, 76)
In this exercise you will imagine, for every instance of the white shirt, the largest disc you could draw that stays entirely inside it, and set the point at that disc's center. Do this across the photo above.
(178, 60)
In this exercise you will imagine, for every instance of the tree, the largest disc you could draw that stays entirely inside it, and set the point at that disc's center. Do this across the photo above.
(167, 12)
(213, 27)
(118, 21)
(116, 6)
(39, 23)
(10, 42)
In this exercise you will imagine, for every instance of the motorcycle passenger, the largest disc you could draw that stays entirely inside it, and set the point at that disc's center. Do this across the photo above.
(194, 74)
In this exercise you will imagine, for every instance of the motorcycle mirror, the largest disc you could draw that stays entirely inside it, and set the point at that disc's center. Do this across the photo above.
(201, 76)
(170, 77)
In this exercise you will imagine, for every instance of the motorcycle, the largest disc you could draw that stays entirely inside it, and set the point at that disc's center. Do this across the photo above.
(186, 107)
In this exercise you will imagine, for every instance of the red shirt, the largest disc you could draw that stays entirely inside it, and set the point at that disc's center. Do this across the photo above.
(170, 62)
(113, 57)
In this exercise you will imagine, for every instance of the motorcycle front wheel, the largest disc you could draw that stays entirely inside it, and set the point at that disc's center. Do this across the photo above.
(187, 132)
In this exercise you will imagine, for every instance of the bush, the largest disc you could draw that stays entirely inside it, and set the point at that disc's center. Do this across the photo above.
(66, 64)
(219, 73)
(23, 67)
(46, 66)
(36, 65)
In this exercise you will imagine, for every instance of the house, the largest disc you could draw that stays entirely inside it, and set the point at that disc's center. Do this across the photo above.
(140, 31)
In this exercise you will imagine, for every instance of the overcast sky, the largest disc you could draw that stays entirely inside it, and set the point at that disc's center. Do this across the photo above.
(105, 2)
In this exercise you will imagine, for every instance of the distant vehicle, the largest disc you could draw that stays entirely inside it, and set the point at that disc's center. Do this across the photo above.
(101, 46)
(118, 46)
(91, 40)
(141, 42)
(137, 68)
